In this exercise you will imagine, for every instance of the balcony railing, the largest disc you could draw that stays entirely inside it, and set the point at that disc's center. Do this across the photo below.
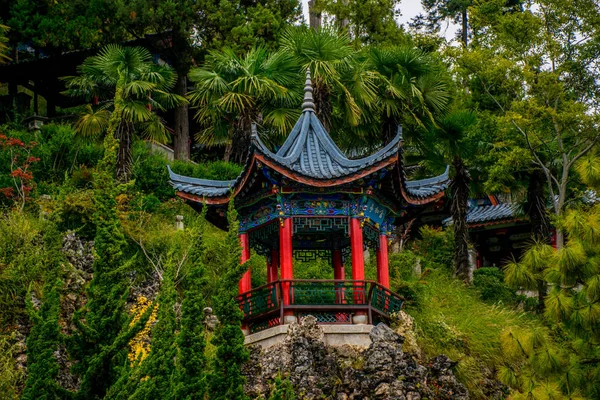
(330, 301)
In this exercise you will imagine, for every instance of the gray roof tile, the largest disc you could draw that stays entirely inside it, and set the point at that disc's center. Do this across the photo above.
(490, 213)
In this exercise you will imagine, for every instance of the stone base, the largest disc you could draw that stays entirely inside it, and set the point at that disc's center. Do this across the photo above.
(289, 319)
(335, 335)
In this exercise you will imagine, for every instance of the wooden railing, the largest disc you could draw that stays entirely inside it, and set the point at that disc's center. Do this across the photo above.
(330, 301)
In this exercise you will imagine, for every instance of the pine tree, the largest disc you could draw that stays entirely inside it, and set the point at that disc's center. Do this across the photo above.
(42, 342)
(191, 364)
(227, 382)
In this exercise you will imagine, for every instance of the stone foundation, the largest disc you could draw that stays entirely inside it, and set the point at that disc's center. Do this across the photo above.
(334, 335)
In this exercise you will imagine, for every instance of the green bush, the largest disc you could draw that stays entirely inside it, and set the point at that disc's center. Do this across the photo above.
(436, 247)
(150, 172)
(402, 264)
(60, 150)
(151, 176)
(489, 282)
(219, 170)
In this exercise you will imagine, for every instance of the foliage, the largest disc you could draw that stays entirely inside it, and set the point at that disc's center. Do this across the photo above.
(29, 246)
(154, 376)
(11, 376)
(139, 345)
(489, 281)
(21, 160)
(436, 247)
(143, 86)
(373, 22)
(450, 141)
(231, 91)
(339, 84)
(405, 279)
(282, 389)
(3, 47)
(191, 366)
(60, 150)
(43, 341)
(524, 68)
(412, 88)
(456, 322)
(64, 25)
(100, 345)
(226, 381)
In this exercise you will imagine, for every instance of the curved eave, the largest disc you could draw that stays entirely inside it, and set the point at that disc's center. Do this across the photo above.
(423, 191)
(417, 192)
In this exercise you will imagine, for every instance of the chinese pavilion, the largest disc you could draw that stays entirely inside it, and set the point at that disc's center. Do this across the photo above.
(310, 200)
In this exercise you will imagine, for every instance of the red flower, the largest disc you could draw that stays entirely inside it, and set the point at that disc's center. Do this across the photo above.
(8, 192)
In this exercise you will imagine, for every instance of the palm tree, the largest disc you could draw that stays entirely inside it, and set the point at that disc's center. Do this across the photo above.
(447, 142)
(341, 80)
(128, 77)
(233, 91)
(411, 88)
(3, 44)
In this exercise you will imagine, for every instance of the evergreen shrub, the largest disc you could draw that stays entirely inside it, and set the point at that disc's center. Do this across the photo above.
(436, 247)
(60, 150)
(150, 173)
(489, 281)
(404, 280)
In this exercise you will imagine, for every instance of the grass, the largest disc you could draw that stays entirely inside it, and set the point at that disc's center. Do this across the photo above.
(454, 321)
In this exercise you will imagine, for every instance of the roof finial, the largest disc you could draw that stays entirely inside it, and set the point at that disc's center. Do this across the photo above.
(309, 104)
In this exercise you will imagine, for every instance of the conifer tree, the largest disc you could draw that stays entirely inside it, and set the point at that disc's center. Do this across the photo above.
(100, 345)
(191, 364)
(227, 382)
(153, 379)
(42, 342)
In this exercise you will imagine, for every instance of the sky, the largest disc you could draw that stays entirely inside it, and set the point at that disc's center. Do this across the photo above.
(409, 9)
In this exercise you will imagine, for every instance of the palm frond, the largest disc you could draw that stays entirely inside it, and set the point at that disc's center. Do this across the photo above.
(92, 123)
(154, 129)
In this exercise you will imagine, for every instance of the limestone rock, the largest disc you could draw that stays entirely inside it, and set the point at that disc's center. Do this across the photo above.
(210, 319)
(404, 326)
(316, 370)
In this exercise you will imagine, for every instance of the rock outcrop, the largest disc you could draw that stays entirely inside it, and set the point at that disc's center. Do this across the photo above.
(317, 371)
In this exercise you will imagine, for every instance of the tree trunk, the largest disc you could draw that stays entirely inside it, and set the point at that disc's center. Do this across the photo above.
(465, 27)
(344, 21)
(542, 293)
(459, 207)
(389, 127)
(181, 138)
(124, 160)
(540, 223)
(323, 107)
(536, 206)
(228, 150)
(314, 17)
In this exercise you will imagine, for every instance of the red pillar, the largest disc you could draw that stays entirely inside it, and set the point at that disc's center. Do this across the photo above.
(338, 265)
(245, 283)
(273, 266)
(358, 256)
(339, 274)
(358, 259)
(383, 269)
(285, 255)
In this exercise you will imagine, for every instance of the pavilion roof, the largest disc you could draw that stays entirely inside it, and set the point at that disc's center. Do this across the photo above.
(491, 214)
(310, 156)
